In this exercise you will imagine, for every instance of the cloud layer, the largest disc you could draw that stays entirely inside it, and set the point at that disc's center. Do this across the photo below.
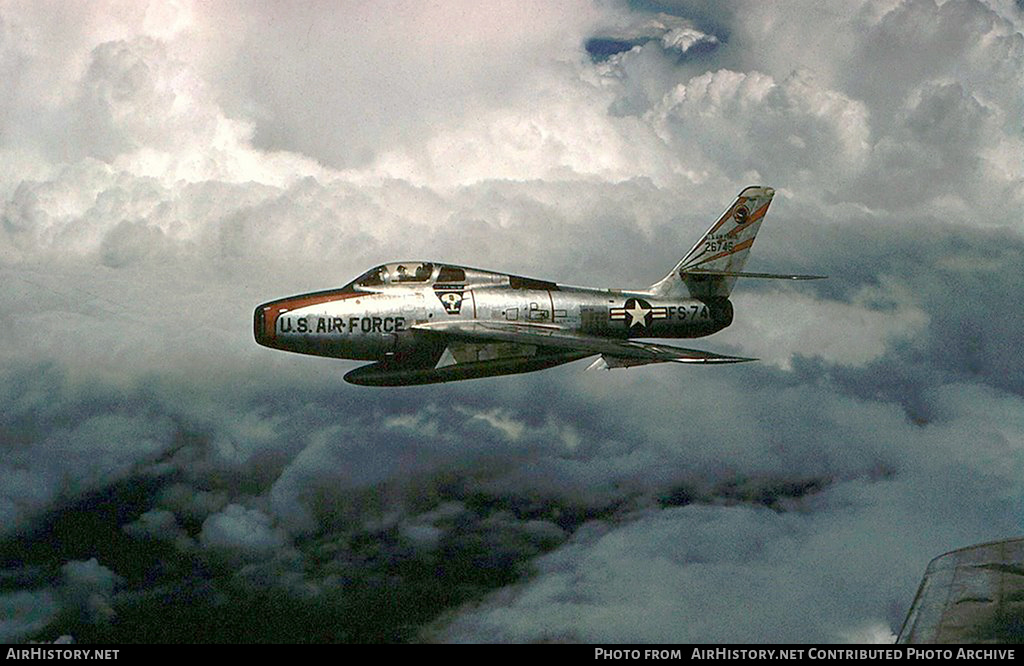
(165, 167)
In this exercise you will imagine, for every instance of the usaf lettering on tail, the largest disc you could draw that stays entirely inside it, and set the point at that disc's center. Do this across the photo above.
(425, 322)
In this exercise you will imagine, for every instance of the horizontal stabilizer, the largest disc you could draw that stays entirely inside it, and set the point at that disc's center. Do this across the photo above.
(772, 276)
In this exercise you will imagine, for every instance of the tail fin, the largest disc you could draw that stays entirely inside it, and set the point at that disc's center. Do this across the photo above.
(710, 269)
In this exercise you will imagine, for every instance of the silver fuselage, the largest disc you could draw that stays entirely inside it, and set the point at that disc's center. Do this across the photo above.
(368, 326)
(375, 322)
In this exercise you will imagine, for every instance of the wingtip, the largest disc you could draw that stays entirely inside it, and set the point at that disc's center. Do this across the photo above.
(733, 359)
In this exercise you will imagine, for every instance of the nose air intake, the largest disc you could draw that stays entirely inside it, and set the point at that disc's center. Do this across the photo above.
(259, 327)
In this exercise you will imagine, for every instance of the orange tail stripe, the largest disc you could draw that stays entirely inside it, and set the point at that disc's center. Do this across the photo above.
(738, 247)
(728, 214)
(758, 214)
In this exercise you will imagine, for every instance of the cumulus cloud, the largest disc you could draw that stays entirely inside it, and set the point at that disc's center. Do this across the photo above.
(159, 524)
(166, 167)
(24, 613)
(247, 532)
(676, 574)
(61, 445)
(88, 586)
(776, 329)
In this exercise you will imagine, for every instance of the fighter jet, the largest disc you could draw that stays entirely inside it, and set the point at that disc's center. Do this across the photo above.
(423, 322)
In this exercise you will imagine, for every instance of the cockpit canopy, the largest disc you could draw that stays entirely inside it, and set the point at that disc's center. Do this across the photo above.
(420, 273)
(408, 272)
(395, 273)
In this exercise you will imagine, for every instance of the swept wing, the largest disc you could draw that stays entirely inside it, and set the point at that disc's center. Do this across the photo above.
(617, 353)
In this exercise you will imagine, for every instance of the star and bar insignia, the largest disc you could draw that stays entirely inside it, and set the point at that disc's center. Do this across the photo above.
(637, 311)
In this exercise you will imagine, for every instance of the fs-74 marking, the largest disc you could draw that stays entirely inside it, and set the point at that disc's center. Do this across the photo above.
(422, 322)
